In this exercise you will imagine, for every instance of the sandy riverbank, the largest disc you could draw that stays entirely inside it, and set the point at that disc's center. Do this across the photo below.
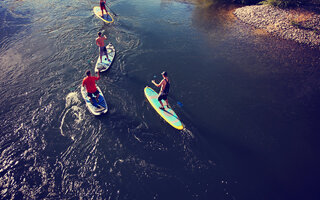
(298, 25)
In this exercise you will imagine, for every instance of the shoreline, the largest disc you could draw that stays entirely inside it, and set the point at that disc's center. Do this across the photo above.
(299, 25)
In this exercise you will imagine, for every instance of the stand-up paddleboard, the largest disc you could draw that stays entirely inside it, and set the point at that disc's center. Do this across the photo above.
(97, 108)
(106, 18)
(105, 64)
(167, 113)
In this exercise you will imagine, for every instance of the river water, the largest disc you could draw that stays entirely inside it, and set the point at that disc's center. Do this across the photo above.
(250, 103)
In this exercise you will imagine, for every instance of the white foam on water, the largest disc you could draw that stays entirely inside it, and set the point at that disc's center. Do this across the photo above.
(187, 131)
(71, 99)
(72, 116)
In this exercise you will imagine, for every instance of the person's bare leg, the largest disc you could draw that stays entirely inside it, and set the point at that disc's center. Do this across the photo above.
(97, 98)
(91, 100)
(161, 107)
(101, 12)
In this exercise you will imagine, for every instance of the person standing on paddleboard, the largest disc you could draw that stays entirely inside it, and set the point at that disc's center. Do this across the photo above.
(90, 83)
(165, 87)
(100, 42)
(103, 7)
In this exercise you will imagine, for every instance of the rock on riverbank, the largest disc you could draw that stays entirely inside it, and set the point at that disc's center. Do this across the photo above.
(301, 26)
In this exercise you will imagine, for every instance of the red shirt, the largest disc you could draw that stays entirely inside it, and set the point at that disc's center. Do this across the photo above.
(100, 41)
(90, 83)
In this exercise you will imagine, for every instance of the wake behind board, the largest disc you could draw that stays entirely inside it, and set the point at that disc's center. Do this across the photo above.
(167, 113)
(104, 66)
(106, 18)
(97, 108)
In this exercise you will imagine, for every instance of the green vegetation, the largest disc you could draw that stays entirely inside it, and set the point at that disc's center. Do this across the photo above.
(283, 3)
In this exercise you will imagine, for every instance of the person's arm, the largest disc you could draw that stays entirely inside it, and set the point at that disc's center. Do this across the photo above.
(97, 42)
(156, 84)
(97, 78)
(83, 83)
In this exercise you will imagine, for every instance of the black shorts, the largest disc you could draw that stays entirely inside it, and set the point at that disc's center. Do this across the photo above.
(95, 93)
(103, 51)
(162, 96)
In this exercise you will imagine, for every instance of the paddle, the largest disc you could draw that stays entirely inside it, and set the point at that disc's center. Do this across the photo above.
(171, 95)
(111, 10)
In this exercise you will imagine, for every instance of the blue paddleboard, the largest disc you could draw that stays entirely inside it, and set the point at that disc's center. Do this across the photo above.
(96, 108)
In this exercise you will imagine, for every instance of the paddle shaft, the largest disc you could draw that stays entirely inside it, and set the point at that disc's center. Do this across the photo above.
(171, 95)
(111, 10)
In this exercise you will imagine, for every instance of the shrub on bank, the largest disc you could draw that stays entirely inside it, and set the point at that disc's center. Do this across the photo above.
(277, 3)
(283, 3)
(247, 2)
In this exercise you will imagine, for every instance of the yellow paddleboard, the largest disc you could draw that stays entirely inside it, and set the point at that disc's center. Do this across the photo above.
(106, 18)
(167, 113)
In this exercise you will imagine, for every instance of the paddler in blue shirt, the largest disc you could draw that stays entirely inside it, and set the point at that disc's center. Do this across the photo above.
(165, 87)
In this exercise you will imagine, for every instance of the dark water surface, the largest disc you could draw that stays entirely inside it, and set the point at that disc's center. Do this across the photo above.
(251, 105)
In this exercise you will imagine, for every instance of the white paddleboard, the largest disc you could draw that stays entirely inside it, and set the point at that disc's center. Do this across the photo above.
(97, 108)
(104, 66)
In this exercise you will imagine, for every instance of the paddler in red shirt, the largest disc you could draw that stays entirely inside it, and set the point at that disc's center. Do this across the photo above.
(100, 42)
(90, 83)
(103, 7)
